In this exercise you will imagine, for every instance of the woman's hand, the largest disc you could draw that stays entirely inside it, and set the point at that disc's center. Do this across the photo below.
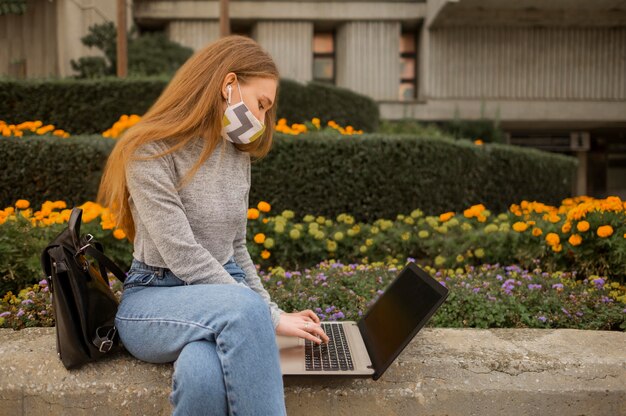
(292, 325)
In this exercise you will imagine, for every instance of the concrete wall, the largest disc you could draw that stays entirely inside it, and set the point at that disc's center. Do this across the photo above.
(528, 63)
(26, 47)
(48, 35)
(368, 58)
(195, 34)
(291, 46)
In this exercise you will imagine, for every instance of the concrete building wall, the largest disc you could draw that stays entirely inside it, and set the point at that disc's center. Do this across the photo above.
(291, 46)
(195, 34)
(528, 63)
(368, 58)
(26, 47)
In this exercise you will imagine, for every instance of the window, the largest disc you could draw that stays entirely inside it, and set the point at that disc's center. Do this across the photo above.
(408, 64)
(324, 57)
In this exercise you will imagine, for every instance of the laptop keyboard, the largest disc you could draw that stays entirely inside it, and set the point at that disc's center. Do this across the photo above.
(334, 356)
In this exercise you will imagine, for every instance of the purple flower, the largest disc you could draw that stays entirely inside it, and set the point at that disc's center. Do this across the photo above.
(5, 314)
(476, 290)
(339, 315)
(579, 313)
(557, 286)
(444, 285)
(288, 275)
(605, 299)
(410, 259)
(361, 312)
(542, 318)
(20, 312)
(318, 310)
(565, 312)
(534, 286)
(43, 282)
(27, 301)
(379, 291)
(329, 309)
(599, 283)
(438, 274)
(280, 282)
(499, 277)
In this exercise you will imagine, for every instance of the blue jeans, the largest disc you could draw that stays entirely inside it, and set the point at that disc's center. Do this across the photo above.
(220, 337)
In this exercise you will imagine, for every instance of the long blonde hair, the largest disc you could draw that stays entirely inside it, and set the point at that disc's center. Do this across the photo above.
(189, 107)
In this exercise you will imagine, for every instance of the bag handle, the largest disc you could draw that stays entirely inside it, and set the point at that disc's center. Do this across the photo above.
(103, 260)
(74, 226)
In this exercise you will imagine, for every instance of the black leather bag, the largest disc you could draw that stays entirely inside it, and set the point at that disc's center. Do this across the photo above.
(84, 305)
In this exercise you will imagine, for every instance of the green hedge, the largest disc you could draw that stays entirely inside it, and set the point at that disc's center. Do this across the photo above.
(368, 176)
(92, 106)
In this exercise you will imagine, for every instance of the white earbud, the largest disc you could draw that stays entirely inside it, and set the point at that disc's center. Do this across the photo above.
(230, 90)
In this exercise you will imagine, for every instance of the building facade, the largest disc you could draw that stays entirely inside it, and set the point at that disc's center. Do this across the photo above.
(553, 73)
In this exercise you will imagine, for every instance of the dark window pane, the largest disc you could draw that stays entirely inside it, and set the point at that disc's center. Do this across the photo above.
(407, 68)
(323, 43)
(407, 42)
(407, 91)
(323, 68)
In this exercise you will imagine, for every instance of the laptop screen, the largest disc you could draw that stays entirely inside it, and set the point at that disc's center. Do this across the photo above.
(398, 314)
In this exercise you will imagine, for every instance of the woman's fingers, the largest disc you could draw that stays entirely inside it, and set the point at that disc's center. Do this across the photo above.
(318, 330)
(310, 314)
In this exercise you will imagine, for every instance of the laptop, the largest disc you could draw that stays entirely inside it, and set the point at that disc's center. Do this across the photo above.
(368, 347)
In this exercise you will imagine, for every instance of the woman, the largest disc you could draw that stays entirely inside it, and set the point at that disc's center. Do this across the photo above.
(192, 294)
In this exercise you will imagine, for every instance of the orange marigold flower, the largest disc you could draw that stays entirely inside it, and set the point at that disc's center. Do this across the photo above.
(553, 239)
(265, 254)
(520, 226)
(253, 213)
(537, 232)
(22, 204)
(566, 227)
(575, 239)
(582, 226)
(446, 216)
(259, 238)
(557, 247)
(605, 231)
(264, 206)
(119, 234)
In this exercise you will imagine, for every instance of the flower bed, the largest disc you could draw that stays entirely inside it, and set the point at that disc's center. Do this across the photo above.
(483, 297)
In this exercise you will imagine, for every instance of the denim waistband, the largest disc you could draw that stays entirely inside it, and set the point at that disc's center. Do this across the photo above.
(141, 266)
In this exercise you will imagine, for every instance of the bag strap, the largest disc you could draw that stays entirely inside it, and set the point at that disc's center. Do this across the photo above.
(105, 343)
(105, 263)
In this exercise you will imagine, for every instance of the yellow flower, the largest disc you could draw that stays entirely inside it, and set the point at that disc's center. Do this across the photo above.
(22, 204)
(405, 236)
(294, 234)
(575, 239)
(520, 226)
(446, 216)
(264, 206)
(268, 243)
(439, 260)
(537, 232)
(259, 238)
(338, 236)
(605, 231)
(553, 239)
(265, 254)
(582, 226)
(331, 245)
(479, 252)
(423, 234)
(119, 234)
(253, 213)
(459, 258)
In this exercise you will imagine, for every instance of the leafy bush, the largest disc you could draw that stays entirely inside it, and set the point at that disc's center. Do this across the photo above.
(148, 54)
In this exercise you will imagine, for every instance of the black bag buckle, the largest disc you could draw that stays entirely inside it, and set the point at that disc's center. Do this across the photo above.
(106, 345)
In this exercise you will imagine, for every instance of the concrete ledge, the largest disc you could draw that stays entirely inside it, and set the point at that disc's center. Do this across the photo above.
(442, 372)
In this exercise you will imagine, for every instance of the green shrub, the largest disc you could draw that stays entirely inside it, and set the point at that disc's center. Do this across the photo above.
(93, 105)
(370, 176)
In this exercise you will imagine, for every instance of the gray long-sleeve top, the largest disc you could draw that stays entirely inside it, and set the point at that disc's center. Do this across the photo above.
(194, 231)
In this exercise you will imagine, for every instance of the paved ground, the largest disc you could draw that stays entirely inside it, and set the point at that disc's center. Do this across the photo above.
(441, 372)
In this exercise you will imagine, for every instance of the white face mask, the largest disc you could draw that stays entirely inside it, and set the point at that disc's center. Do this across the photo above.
(239, 125)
